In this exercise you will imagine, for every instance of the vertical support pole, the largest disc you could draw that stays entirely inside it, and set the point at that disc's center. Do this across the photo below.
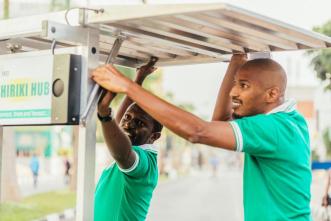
(1, 163)
(97, 90)
(87, 135)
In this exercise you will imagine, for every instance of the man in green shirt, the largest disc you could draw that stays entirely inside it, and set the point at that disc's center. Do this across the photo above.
(125, 188)
(251, 115)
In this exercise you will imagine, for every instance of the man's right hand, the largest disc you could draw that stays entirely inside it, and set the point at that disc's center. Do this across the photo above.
(103, 106)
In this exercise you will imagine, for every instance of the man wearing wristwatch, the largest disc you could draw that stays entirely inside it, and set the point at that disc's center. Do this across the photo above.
(125, 188)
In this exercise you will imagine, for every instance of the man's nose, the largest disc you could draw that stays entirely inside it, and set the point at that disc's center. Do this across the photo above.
(130, 124)
(126, 124)
(233, 92)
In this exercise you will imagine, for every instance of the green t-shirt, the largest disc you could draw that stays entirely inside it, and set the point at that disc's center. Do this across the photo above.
(277, 173)
(125, 195)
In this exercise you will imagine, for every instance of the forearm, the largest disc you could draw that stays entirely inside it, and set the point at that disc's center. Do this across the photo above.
(118, 144)
(127, 101)
(182, 123)
(223, 109)
(223, 106)
(179, 121)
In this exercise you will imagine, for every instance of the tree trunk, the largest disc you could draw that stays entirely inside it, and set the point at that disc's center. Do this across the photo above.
(9, 190)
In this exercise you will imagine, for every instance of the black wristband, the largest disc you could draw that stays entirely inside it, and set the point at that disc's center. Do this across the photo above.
(106, 118)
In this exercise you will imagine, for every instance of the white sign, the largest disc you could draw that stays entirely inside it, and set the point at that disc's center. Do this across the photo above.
(25, 89)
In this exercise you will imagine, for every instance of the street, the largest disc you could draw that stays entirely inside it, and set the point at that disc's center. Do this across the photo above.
(199, 197)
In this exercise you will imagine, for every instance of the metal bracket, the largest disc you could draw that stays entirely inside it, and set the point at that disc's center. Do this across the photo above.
(53, 30)
(97, 91)
(257, 55)
(14, 47)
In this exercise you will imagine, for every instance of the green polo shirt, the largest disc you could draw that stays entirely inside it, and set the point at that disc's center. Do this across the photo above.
(277, 173)
(125, 195)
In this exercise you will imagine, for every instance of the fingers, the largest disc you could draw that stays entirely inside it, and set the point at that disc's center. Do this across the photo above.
(112, 69)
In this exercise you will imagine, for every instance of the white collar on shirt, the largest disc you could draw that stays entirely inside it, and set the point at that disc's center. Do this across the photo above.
(287, 107)
(149, 147)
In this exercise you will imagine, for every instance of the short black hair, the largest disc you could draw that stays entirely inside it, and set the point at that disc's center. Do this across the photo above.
(157, 126)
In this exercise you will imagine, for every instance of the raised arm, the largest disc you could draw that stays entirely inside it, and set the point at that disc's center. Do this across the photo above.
(186, 125)
(223, 106)
(142, 73)
(117, 142)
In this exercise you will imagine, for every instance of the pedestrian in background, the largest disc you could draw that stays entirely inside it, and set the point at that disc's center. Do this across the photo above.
(67, 166)
(34, 166)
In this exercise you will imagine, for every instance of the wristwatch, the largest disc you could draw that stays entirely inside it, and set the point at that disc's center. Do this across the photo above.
(108, 117)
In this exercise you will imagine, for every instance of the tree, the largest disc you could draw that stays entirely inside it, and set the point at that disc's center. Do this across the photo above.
(57, 5)
(321, 59)
(6, 9)
(327, 140)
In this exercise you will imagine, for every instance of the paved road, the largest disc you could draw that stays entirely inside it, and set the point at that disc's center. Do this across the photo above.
(202, 198)
(199, 197)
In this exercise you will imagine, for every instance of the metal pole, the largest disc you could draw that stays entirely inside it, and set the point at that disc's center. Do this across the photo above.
(1, 163)
(87, 135)
(97, 90)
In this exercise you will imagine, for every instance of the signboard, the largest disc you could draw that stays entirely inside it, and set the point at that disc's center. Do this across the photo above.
(26, 89)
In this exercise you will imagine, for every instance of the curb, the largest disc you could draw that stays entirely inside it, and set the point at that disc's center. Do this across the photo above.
(65, 215)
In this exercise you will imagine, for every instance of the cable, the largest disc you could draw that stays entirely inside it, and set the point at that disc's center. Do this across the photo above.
(53, 46)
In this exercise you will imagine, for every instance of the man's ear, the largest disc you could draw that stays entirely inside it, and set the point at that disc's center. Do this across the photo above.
(273, 94)
(155, 136)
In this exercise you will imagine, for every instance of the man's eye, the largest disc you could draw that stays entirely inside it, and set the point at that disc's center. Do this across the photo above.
(126, 117)
(244, 86)
(140, 123)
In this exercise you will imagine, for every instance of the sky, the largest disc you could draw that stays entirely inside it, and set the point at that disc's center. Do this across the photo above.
(199, 84)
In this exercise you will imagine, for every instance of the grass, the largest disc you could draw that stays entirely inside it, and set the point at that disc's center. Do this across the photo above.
(37, 206)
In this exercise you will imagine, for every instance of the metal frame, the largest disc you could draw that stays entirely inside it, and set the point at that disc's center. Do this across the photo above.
(1, 162)
(87, 39)
(176, 34)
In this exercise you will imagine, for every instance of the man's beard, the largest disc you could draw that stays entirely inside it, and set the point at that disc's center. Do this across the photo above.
(136, 141)
(236, 116)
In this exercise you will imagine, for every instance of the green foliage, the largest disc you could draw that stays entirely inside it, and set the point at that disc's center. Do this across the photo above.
(6, 9)
(327, 141)
(58, 5)
(321, 59)
(37, 206)
(314, 156)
